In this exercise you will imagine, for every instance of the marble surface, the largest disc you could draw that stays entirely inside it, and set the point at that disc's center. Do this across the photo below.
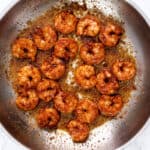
(142, 140)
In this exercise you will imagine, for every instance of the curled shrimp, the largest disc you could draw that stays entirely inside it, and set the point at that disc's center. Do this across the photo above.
(28, 100)
(65, 22)
(45, 37)
(85, 76)
(78, 131)
(66, 48)
(65, 102)
(92, 53)
(53, 68)
(86, 111)
(88, 26)
(24, 48)
(106, 82)
(110, 34)
(28, 76)
(110, 105)
(47, 117)
(124, 70)
(47, 89)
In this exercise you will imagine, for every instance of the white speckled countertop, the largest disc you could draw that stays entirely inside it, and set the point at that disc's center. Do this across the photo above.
(142, 140)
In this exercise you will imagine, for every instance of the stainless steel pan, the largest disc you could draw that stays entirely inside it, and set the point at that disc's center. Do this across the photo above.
(112, 134)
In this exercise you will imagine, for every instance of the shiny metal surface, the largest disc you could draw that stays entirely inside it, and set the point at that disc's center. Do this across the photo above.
(108, 136)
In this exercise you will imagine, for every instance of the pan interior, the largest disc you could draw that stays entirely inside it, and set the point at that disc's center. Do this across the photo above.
(111, 134)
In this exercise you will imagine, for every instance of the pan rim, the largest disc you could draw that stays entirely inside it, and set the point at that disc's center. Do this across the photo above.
(131, 3)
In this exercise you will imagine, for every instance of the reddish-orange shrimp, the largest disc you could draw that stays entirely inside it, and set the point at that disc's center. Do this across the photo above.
(78, 131)
(65, 22)
(86, 111)
(48, 117)
(110, 105)
(124, 70)
(45, 37)
(65, 102)
(47, 89)
(28, 100)
(110, 34)
(53, 68)
(106, 82)
(85, 76)
(66, 48)
(28, 76)
(88, 26)
(24, 48)
(92, 53)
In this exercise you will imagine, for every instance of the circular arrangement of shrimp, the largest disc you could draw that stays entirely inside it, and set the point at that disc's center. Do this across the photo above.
(41, 81)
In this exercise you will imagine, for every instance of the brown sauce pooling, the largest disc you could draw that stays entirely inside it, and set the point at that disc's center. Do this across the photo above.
(67, 83)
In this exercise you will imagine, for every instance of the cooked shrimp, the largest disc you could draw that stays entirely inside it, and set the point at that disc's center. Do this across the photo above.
(88, 26)
(110, 105)
(106, 82)
(78, 131)
(92, 53)
(47, 89)
(53, 68)
(66, 48)
(45, 37)
(28, 76)
(110, 34)
(124, 70)
(48, 117)
(65, 102)
(85, 76)
(86, 111)
(65, 22)
(28, 100)
(24, 48)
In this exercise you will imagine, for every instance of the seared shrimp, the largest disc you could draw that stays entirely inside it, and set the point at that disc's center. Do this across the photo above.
(85, 76)
(110, 105)
(78, 131)
(47, 89)
(48, 117)
(65, 102)
(124, 70)
(106, 82)
(88, 26)
(65, 22)
(86, 111)
(66, 48)
(24, 48)
(28, 76)
(110, 34)
(45, 37)
(28, 100)
(92, 53)
(53, 68)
